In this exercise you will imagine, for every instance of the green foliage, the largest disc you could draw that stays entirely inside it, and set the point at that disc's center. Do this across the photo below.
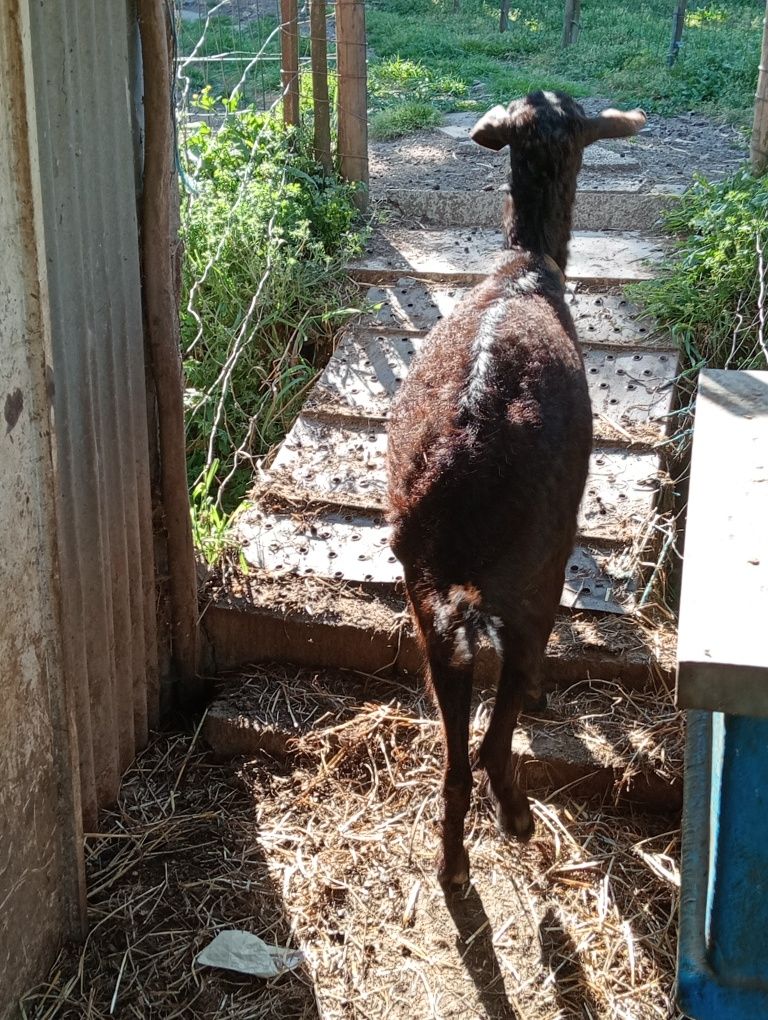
(212, 527)
(709, 295)
(266, 238)
(621, 52)
(403, 119)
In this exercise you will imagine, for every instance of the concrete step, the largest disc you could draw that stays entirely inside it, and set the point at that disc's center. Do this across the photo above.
(330, 623)
(621, 204)
(468, 256)
(579, 741)
(602, 315)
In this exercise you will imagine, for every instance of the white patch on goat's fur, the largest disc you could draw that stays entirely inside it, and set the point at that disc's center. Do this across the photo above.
(526, 283)
(493, 629)
(461, 650)
(554, 101)
(442, 617)
(482, 355)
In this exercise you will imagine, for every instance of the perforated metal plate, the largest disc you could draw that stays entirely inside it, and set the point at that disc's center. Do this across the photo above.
(355, 548)
(367, 368)
(415, 306)
(323, 460)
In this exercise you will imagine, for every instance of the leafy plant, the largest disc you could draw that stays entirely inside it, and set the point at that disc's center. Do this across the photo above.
(711, 297)
(211, 527)
(266, 238)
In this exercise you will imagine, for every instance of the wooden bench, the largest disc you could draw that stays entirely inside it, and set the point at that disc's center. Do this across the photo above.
(723, 682)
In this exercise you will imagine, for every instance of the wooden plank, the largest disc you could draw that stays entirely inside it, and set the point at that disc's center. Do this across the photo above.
(759, 150)
(353, 93)
(319, 51)
(289, 71)
(722, 650)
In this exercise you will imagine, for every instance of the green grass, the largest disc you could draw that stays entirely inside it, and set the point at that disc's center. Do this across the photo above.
(709, 296)
(456, 58)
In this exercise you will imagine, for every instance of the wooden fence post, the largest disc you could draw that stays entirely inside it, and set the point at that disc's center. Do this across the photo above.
(289, 45)
(759, 151)
(353, 94)
(677, 31)
(319, 44)
(504, 16)
(571, 21)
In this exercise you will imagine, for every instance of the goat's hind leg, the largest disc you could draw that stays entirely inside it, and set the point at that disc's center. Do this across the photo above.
(449, 673)
(513, 810)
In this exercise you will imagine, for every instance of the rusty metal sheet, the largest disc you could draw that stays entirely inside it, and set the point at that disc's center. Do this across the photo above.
(415, 306)
(367, 368)
(337, 460)
(88, 155)
(353, 547)
(470, 255)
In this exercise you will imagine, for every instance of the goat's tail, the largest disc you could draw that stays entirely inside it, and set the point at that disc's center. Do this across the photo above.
(459, 616)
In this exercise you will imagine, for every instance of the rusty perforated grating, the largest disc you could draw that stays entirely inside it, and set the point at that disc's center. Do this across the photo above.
(353, 547)
(365, 372)
(345, 460)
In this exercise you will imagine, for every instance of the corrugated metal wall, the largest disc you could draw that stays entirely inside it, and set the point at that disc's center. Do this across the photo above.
(84, 59)
(41, 875)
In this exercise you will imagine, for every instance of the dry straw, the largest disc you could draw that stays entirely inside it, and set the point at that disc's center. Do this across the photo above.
(329, 847)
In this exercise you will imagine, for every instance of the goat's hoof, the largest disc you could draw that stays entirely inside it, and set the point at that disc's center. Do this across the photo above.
(454, 875)
(517, 822)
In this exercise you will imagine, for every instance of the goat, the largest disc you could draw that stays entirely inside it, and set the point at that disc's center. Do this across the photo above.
(488, 449)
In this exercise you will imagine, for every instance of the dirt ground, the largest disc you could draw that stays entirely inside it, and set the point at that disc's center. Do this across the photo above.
(329, 846)
(669, 151)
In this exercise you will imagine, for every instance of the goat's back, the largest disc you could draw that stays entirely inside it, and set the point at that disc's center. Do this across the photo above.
(489, 438)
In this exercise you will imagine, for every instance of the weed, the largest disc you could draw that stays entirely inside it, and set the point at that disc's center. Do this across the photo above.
(403, 119)
(709, 295)
(212, 528)
(266, 239)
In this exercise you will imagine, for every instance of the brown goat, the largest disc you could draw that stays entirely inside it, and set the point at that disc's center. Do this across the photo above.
(489, 443)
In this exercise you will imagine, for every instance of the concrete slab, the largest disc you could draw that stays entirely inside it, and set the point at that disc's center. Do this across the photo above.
(617, 204)
(722, 649)
(367, 368)
(415, 306)
(320, 623)
(553, 750)
(344, 462)
(469, 256)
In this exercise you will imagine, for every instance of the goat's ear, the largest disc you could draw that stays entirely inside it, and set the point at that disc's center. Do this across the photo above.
(613, 124)
(492, 131)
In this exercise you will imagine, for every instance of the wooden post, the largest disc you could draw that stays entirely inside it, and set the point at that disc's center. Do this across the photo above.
(161, 314)
(677, 31)
(319, 44)
(289, 43)
(760, 125)
(571, 23)
(504, 16)
(353, 93)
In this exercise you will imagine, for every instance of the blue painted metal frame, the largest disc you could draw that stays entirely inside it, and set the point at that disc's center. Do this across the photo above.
(723, 942)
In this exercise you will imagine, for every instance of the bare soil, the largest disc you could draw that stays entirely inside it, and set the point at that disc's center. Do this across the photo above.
(670, 151)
